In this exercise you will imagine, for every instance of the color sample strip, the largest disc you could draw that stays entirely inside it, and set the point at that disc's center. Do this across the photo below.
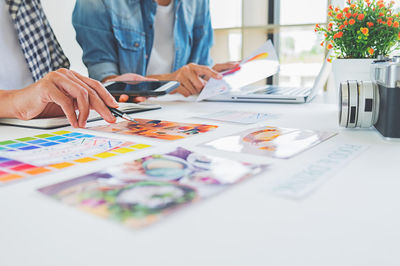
(85, 160)
(10, 177)
(38, 146)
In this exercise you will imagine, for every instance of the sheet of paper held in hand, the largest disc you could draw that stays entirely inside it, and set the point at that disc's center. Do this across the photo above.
(261, 64)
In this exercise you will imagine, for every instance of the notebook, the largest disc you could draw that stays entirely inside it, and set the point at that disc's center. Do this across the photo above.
(55, 122)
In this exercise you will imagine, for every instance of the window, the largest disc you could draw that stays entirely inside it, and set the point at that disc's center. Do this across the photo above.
(291, 23)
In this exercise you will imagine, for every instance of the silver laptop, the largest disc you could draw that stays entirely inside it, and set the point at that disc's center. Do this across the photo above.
(270, 93)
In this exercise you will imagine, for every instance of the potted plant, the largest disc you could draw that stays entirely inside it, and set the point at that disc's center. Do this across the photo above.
(357, 34)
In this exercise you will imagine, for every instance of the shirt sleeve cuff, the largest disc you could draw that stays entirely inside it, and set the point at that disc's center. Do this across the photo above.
(102, 70)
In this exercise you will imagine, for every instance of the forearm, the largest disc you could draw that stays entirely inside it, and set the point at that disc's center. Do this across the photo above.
(170, 76)
(8, 103)
(133, 77)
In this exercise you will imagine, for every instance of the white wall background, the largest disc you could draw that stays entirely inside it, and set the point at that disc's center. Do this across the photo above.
(59, 14)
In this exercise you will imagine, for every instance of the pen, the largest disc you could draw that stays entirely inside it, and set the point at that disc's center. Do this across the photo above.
(118, 113)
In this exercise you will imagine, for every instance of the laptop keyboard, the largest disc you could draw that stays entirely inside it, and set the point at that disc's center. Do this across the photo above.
(284, 91)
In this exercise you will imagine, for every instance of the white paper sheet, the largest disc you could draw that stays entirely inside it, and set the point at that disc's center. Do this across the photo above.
(261, 64)
(241, 117)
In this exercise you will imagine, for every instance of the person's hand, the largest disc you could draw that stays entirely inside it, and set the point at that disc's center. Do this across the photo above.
(126, 78)
(193, 78)
(62, 92)
(225, 66)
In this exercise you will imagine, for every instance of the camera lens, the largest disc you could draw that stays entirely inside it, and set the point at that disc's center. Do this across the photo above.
(358, 104)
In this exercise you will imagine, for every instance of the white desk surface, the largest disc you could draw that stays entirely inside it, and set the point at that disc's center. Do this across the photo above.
(352, 219)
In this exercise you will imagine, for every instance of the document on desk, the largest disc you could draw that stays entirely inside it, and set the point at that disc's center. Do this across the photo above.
(306, 179)
(241, 117)
(261, 64)
(141, 192)
(158, 129)
(275, 142)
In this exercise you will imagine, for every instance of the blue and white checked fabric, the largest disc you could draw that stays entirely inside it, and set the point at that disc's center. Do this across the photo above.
(41, 49)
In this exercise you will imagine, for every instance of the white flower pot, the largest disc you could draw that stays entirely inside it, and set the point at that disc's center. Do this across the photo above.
(351, 69)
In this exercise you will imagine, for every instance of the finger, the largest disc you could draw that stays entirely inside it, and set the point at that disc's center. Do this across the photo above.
(65, 102)
(99, 88)
(225, 66)
(123, 98)
(138, 99)
(207, 72)
(95, 102)
(78, 92)
(186, 88)
(197, 83)
(183, 89)
(99, 106)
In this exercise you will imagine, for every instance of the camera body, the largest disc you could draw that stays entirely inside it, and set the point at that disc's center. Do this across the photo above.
(373, 103)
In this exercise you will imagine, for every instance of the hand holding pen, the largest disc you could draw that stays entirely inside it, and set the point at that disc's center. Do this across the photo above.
(118, 113)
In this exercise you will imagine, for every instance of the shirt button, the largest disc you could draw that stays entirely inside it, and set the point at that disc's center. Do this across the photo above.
(147, 56)
(136, 44)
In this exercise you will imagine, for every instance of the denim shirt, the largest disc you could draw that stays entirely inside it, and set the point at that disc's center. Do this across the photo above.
(117, 35)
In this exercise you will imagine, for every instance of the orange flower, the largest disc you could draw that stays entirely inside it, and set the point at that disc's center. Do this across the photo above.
(330, 14)
(330, 46)
(352, 6)
(330, 25)
(371, 51)
(381, 5)
(345, 23)
(337, 9)
(329, 60)
(338, 35)
(389, 23)
(330, 7)
(348, 15)
(339, 16)
(370, 24)
(352, 21)
(364, 31)
(381, 14)
(395, 24)
(361, 17)
(355, 15)
(322, 43)
(341, 27)
(346, 9)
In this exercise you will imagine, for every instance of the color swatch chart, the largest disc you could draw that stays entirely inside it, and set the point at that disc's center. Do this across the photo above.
(30, 156)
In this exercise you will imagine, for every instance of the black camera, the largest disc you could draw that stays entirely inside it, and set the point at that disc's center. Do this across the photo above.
(373, 103)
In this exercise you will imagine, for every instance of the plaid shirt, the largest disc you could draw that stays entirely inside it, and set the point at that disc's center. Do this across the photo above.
(39, 44)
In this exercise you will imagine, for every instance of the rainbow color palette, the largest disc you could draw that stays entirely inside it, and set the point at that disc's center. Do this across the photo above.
(44, 153)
